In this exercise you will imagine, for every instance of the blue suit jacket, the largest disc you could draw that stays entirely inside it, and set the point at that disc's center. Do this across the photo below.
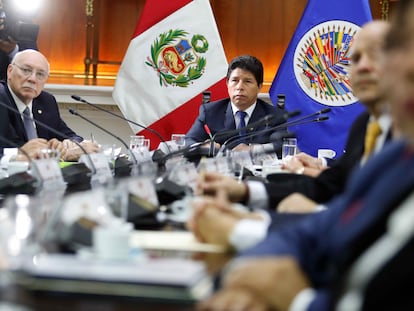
(45, 110)
(327, 244)
(219, 117)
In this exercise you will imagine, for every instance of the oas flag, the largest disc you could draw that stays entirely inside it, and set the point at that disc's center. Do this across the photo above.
(175, 55)
(314, 71)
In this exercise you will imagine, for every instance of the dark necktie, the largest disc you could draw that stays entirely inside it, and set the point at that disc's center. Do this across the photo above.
(28, 124)
(242, 124)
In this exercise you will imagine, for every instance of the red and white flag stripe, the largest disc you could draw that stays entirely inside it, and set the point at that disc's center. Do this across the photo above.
(175, 55)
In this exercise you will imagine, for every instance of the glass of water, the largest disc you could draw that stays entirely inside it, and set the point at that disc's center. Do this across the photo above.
(289, 148)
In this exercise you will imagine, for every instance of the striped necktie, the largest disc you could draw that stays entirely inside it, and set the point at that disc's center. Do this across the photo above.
(28, 124)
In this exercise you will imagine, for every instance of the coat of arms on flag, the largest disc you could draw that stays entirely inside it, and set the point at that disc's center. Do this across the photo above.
(321, 62)
(176, 54)
(176, 59)
(314, 72)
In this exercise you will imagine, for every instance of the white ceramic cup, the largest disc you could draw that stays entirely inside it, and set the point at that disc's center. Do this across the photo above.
(111, 243)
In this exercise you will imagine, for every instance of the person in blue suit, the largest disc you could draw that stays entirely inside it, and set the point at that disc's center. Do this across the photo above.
(358, 254)
(244, 82)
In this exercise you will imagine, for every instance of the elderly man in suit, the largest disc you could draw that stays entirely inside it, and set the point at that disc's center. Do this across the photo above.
(358, 254)
(244, 81)
(26, 77)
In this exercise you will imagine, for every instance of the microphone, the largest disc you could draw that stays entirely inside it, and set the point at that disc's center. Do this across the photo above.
(208, 131)
(300, 121)
(70, 177)
(266, 120)
(78, 98)
(287, 116)
(74, 112)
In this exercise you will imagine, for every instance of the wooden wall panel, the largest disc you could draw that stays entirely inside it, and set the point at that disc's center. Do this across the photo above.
(62, 33)
(62, 36)
(259, 27)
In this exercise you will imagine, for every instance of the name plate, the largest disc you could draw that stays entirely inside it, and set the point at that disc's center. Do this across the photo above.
(99, 164)
(49, 172)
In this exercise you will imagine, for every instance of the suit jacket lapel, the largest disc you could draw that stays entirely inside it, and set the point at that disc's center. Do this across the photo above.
(15, 118)
(390, 187)
(229, 123)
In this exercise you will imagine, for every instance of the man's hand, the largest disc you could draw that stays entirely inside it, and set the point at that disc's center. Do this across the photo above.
(296, 203)
(237, 299)
(269, 283)
(214, 219)
(241, 147)
(32, 148)
(57, 145)
(73, 151)
(209, 183)
(304, 164)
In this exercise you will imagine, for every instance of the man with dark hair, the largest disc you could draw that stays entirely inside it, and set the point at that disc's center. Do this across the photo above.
(358, 254)
(244, 81)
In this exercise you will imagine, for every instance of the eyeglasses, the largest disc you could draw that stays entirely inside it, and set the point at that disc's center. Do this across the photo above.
(28, 71)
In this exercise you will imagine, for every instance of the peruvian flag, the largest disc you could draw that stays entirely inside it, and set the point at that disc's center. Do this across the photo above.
(175, 55)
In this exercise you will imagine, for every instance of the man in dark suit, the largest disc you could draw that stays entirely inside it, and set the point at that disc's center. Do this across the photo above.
(26, 77)
(314, 254)
(318, 264)
(9, 139)
(244, 81)
(366, 71)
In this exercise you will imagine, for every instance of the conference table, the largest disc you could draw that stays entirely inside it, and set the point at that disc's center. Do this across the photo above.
(40, 300)
(163, 242)
(155, 244)
(45, 302)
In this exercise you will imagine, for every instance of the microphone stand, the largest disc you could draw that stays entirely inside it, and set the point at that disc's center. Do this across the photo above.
(56, 132)
(78, 98)
(281, 126)
(267, 120)
(287, 116)
(74, 112)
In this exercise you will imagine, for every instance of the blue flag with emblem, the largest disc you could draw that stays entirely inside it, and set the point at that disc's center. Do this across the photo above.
(313, 73)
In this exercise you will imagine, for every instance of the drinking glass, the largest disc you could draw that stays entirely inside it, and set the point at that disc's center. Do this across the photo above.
(289, 148)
